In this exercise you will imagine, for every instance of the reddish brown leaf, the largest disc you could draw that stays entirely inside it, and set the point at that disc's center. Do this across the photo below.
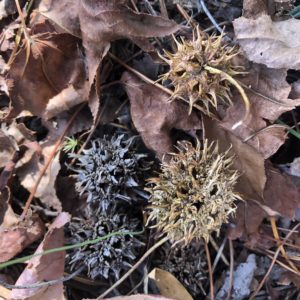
(281, 194)
(47, 267)
(16, 235)
(154, 116)
(53, 79)
(263, 82)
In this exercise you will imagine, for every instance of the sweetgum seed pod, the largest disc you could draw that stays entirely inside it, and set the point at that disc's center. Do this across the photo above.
(194, 193)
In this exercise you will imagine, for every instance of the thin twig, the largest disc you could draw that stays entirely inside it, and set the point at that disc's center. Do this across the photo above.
(282, 250)
(49, 160)
(163, 8)
(134, 267)
(209, 15)
(231, 269)
(219, 252)
(244, 96)
(43, 283)
(211, 279)
(262, 130)
(272, 263)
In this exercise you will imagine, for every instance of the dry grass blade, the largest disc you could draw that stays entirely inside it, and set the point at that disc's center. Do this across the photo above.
(252, 297)
(282, 250)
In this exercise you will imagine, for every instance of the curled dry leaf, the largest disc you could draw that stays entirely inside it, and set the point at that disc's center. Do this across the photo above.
(47, 267)
(274, 44)
(52, 79)
(154, 116)
(16, 235)
(265, 83)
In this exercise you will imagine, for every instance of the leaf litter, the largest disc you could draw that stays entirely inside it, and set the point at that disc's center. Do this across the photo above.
(83, 71)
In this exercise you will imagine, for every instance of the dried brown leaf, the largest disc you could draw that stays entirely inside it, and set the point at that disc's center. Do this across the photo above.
(47, 267)
(274, 44)
(55, 73)
(16, 235)
(154, 116)
(265, 83)
(8, 146)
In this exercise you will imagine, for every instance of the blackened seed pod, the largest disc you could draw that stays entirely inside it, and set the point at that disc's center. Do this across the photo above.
(112, 171)
(110, 257)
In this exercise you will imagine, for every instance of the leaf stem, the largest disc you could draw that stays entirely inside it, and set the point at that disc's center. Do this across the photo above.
(245, 98)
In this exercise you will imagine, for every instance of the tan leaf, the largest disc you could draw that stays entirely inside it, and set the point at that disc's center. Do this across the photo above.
(47, 267)
(16, 235)
(265, 83)
(274, 44)
(168, 285)
(154, 116)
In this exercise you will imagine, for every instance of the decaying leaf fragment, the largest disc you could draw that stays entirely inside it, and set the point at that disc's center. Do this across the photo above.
(274, 44)
(16, 235)
(47, 267)
(154, 116)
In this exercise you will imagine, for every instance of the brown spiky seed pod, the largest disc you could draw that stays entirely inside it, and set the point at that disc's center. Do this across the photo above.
(198, 70)
(194, 194)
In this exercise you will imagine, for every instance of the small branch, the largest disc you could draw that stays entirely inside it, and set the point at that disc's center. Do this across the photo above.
(231, 250)
(209, 15)
(282, 250)
(44, 283)
(211, 279)
(48, 162)
(135, 266)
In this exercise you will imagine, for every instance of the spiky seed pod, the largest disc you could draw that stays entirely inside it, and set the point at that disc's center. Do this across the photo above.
(111, 171)
(187, 263)
(193, 70)
(110, 257)
(194, 194)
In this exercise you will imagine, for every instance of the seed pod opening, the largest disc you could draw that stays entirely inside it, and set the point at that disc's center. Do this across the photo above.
(191, 71)
(194, 193)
